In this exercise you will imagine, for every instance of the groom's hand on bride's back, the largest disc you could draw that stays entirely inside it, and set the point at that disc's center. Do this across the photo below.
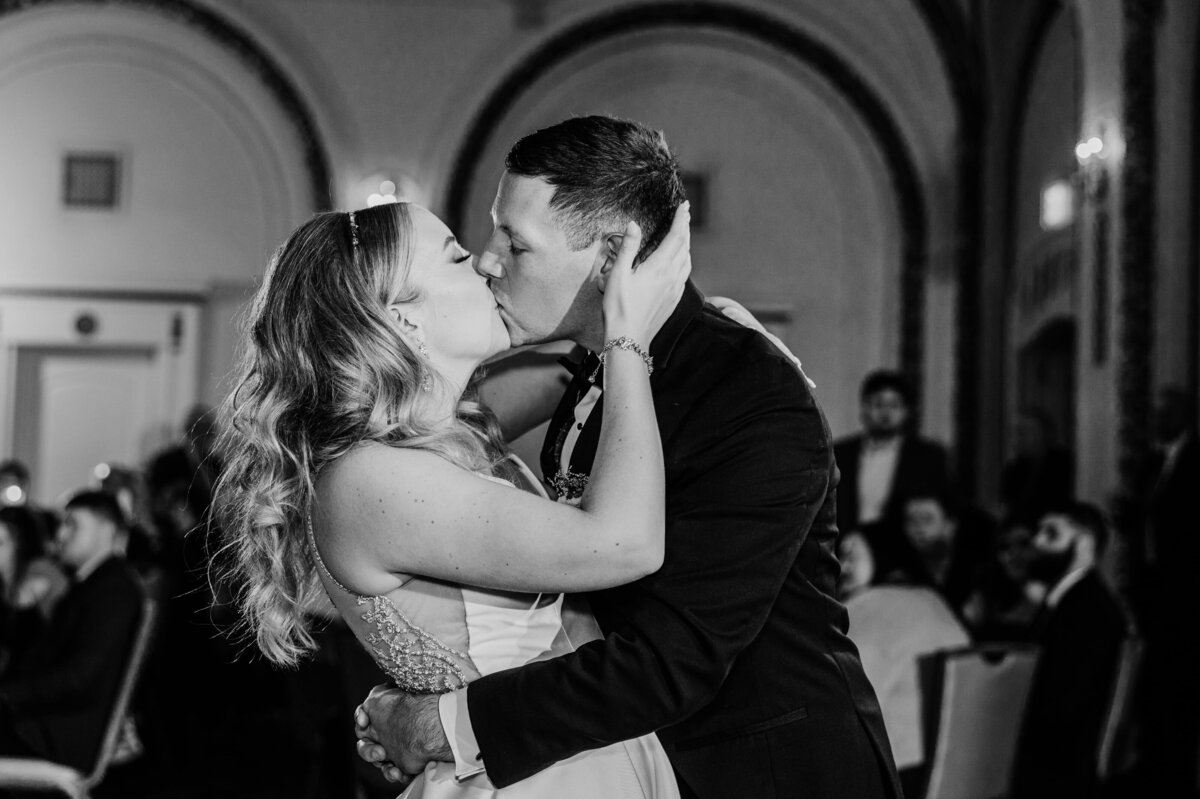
(400, 733)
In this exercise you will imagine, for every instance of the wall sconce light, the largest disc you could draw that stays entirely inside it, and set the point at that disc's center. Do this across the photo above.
(1092, 154)
(386, 186)
(1093, 175)
(1089, 149)
(386, 194)
(1058, 204)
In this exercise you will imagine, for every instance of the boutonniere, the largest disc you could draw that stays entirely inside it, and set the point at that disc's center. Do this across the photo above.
(569, 486)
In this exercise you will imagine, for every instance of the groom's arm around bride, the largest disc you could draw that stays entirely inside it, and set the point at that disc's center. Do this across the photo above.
(735, 651)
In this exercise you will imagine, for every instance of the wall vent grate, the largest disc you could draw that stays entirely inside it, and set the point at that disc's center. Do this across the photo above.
(91, 180)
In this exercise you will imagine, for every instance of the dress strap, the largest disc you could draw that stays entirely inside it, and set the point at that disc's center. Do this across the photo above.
(312, 542)
(533, 483)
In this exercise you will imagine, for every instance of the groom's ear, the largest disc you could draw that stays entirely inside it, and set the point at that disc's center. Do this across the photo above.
(606, 256)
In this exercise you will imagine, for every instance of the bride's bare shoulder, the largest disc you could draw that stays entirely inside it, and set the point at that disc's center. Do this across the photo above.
(371, 458)
(371, 467)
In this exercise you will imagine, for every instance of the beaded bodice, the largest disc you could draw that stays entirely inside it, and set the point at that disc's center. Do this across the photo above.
(417, 660)
(433, 636)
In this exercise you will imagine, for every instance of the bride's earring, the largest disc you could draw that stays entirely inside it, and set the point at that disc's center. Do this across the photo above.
(426, 380)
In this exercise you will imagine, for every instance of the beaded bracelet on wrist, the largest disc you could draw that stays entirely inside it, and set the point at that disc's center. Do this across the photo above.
(626, 343)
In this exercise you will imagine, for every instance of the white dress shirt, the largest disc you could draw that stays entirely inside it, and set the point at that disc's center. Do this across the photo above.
(876, 470)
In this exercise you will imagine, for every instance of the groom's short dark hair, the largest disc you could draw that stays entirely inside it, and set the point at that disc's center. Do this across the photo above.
(605, 171)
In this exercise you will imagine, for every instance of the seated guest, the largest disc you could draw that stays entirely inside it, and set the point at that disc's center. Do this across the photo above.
(142, 544)
(1079, 631)
(858, 565)
(33, 582)
(893, 626)
(55, 700)
(884, 466)
(20, 545)
(181, 478)
(1006, 602)
(947, 555)
(15, 492)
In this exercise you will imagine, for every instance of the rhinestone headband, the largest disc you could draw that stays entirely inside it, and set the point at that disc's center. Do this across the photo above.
(353, 230)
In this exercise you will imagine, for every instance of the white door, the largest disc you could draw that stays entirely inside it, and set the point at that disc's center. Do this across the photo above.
(80, 407)
(113, 394)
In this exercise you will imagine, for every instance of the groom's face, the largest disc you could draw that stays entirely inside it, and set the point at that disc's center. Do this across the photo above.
(546, 291)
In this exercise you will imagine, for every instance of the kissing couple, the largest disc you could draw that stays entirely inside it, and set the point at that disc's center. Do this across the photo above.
(659, 619)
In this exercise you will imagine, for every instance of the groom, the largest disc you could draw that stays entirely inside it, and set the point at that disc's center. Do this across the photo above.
(735, 652)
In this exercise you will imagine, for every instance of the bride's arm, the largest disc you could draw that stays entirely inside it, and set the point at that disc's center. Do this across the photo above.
(406, 511)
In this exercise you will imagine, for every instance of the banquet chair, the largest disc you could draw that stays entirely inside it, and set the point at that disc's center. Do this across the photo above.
(33, 774)
(974, 700)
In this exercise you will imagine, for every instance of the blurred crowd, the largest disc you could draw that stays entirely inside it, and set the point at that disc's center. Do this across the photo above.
(209, 716)
(923, 570)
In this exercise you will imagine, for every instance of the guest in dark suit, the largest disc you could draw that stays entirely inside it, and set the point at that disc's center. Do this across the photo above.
(735, 651)
(1007, 600)
(883, 467)
(950, 550)
(1080, 632)
(1173, 634)
(55, 701)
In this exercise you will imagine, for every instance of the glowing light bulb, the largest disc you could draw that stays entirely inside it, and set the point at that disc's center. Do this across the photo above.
(1096, 145)
(13, 495)
(1082, 151)
(374, 200)
(102, 471)
(1058, 205)
(387, 188)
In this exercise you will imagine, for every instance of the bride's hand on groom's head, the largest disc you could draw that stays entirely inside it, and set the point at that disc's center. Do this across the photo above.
(637, 304)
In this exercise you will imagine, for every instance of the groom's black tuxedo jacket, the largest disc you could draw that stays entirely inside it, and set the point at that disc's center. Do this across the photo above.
(736, 650)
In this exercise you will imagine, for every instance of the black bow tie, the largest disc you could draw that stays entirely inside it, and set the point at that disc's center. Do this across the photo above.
(585, 368)
(585, 374)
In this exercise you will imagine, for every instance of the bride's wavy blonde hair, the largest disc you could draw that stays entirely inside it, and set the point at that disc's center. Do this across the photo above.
(323, 369)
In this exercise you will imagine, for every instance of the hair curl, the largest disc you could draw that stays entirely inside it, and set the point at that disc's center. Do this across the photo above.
(323, 370)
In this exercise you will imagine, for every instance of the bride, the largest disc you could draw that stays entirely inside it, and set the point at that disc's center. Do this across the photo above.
(359, 465)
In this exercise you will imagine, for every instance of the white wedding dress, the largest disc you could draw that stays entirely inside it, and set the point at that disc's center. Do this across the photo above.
(431, 636)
